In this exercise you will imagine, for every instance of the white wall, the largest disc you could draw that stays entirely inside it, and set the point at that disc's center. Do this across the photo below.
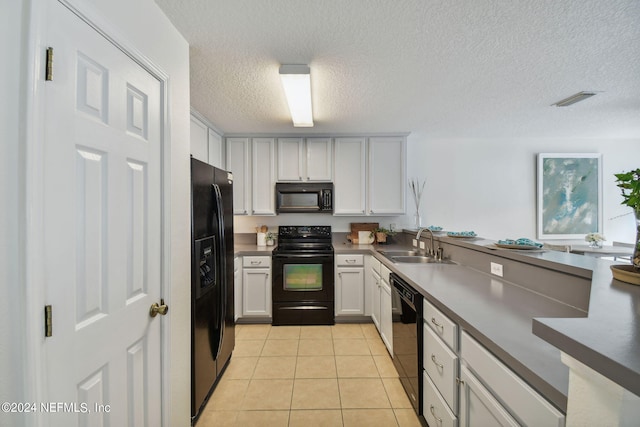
(11, 209)
(489, 186)
(247, 224)
(141, 26)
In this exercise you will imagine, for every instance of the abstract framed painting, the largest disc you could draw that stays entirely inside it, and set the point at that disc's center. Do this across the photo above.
(569, 195)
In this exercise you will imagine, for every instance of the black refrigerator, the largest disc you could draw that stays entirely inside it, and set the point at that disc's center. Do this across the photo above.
(212, 316)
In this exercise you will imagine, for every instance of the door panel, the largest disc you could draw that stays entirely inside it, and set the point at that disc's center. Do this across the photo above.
(102, 229)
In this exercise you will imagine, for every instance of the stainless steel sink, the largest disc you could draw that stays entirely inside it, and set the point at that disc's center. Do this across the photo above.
(412, 257)
(391, 254)
(419, 259)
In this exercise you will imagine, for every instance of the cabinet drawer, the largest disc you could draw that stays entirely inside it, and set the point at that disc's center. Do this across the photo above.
(375, 265)
(350, 260)
(435, 410)
(444, 327)
(256, 261)
(518, 397)
(384, 273)
(442, 366)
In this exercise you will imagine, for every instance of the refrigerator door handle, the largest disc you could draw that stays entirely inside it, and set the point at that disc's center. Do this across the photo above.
(222, 267)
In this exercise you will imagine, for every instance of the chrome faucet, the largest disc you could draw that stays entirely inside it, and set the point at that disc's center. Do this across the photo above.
(432, 251)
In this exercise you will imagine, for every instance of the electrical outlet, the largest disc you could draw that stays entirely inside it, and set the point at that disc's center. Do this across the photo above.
(423, 245)
(415, 243)
(496, 269)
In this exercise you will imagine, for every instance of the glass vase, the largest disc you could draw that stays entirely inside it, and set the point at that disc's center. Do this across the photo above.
(417, 222)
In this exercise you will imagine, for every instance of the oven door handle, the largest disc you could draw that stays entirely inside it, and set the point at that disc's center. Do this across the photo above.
(303, 256)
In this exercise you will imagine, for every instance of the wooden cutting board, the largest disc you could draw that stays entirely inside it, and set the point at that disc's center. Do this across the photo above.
(361, 226)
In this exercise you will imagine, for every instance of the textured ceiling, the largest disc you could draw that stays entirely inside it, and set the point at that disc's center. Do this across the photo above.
(442, 69)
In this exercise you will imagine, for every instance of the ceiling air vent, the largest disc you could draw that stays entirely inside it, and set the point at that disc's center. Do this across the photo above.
(574, 98)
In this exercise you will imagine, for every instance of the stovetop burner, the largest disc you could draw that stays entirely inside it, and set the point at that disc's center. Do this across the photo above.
(308, 239)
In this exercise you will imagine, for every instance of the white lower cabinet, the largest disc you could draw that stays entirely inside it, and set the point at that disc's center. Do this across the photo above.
(478, 407)
(381, 302)
(435, 409)
(256, 286)
(441, 368)
(485, 376)
(386, 321)
(237, 287)
(349, 285)
(441, 364)
(375, 293)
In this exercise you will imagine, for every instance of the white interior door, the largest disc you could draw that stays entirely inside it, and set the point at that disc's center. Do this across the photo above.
(102, 229)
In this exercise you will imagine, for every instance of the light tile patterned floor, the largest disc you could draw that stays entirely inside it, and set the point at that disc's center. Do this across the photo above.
(289, 376)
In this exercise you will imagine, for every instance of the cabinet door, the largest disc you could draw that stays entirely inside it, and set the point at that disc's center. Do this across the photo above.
(386, 321)
(290, 159)
(319, 159)
(376, 290)
(387, 176)
(199, 143)
(238, 163)
(263, 185)
(256, 292)
(349, 291)
(349, 182)
(215, 150)
(237, 287)
(477, 406)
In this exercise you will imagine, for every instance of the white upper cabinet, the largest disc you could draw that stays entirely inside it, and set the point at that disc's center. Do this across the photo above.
(239, 163)
(215, 150)
(264, 182)
(290, 159)
(206, 143)
(370, 176)
(304, 160)
(199, 140)
(319, 159)
(387, 175)
(252, 162)
(350, 176)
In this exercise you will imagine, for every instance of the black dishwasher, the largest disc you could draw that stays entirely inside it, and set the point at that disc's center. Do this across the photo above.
(407, 339)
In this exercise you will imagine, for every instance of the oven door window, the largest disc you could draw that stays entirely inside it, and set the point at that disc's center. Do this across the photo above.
(302, 277)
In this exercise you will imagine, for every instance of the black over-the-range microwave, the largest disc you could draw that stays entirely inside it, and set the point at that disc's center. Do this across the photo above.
(304, 197)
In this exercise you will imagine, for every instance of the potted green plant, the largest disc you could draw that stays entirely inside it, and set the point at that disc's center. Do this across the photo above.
(270, 238)
(381, 234)
(629, 184)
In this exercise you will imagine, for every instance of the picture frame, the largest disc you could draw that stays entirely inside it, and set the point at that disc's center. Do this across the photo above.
(569, 195)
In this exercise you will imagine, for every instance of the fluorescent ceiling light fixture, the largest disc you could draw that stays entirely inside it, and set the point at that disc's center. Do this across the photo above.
(580, 96)
(296, 80)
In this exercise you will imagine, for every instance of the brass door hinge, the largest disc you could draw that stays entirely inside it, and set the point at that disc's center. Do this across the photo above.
(48, 321)
(49, 65)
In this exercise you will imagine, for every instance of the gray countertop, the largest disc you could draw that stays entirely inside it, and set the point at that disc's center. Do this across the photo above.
(525, 329)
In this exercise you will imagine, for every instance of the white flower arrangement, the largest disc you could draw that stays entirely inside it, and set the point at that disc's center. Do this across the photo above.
(416, 191)
(594, 237)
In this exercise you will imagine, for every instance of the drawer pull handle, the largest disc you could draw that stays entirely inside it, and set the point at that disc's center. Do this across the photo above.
(433, 359)
(350, 261)
(256, 262)
(433, 412)
(438, 325)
